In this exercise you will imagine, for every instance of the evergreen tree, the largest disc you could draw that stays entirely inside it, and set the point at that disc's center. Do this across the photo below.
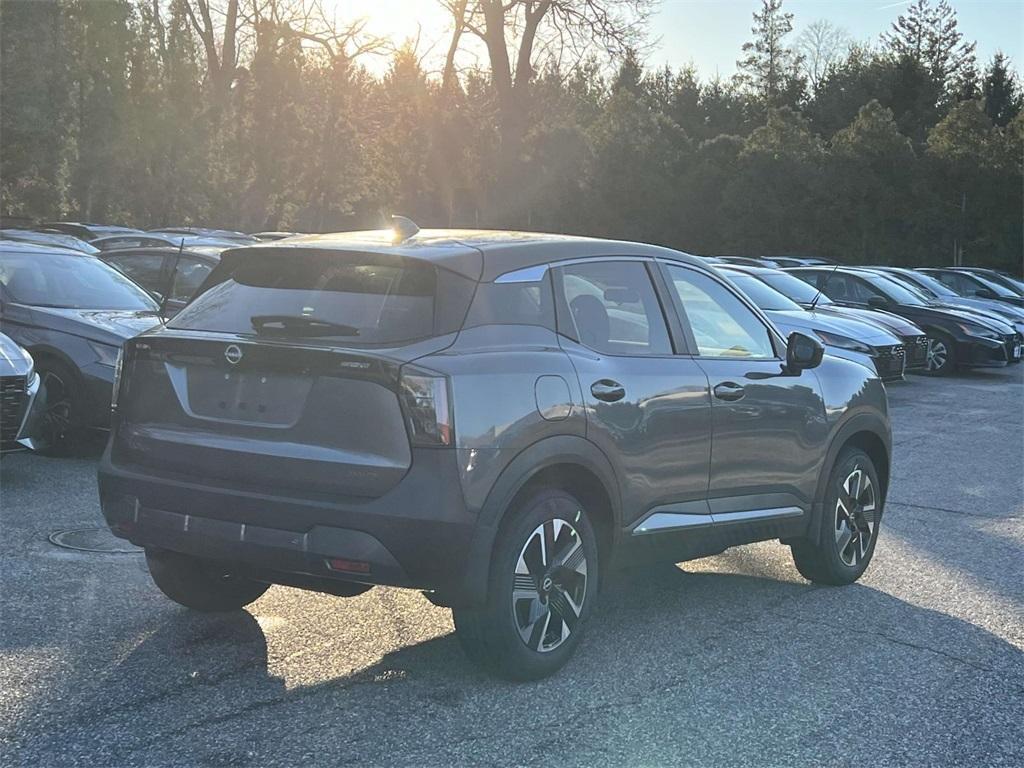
(929, 35)
(770, 69)
(1001, 90)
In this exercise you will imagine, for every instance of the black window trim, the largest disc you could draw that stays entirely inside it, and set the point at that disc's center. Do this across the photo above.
(774, 336)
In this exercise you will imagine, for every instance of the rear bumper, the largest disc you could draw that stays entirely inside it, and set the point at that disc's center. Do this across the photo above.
(416, 535)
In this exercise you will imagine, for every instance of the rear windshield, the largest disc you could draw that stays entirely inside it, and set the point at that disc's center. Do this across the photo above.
(360, 298)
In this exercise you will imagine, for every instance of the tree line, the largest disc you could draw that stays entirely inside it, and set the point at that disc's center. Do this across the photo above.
(264, 114)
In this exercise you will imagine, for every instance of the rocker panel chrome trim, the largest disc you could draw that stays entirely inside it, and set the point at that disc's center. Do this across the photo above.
(661, 521)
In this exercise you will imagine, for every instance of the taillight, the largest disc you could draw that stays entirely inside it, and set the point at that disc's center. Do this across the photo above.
(427, 407)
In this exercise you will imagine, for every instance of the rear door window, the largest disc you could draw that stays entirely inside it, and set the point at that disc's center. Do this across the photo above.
(361, 298)
(611, 307)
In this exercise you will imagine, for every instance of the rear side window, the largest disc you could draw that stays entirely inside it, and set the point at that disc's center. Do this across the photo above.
(366, 299)
(528, 303)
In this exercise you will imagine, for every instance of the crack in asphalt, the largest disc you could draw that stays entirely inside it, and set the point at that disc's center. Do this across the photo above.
(948, 510)
(900, 642)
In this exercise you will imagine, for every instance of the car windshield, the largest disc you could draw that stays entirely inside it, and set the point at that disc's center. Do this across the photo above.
(794, 288)
(992, 285)
(925, 283)
(764, 296)
(896, 292)
(69, 281)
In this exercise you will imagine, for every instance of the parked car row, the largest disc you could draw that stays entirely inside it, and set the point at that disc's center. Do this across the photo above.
(72, 314)
(955, 317)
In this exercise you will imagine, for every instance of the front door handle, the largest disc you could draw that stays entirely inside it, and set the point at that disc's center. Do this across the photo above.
(729, 390)
(607, 390)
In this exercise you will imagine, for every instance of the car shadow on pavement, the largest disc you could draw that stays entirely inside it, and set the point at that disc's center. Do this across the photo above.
(715, 645)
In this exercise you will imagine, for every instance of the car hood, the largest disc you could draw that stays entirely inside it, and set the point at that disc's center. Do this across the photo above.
(108, 326)
(984, 319)
(986, 307)
(886, 320)
(806, 320)
(14, 361)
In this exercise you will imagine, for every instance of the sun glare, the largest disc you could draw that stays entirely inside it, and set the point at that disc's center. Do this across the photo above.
(399, 20)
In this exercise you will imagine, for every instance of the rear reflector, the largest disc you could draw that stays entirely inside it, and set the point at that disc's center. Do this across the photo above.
(348, 566)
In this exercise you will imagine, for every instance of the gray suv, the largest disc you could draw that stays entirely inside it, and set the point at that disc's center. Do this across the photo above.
(498, 419)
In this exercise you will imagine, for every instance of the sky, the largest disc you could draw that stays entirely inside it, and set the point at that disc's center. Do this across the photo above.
(709, 33)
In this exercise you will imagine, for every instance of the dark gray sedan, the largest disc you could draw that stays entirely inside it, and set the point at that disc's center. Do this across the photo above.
(72, 313)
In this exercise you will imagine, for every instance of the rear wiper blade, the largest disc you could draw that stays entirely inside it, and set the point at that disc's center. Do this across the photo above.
(304, 324)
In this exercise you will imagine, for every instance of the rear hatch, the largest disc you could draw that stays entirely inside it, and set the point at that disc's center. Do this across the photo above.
(284, 374)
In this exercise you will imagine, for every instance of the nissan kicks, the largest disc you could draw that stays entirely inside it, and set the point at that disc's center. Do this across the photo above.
(498, 419)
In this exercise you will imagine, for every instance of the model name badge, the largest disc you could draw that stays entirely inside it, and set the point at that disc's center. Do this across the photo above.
(352, 364)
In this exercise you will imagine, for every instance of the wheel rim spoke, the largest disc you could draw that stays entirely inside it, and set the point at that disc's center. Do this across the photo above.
(855, 517)
(57, 416)
(549, 585)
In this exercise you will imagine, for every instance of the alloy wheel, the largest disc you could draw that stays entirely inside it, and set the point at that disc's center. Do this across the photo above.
(938, 354)
(57, 418)
(855, 520)
(549, 585)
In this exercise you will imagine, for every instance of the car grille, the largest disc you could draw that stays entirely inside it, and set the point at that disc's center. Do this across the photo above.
(916, 351)
(889, 361)
(12, 397)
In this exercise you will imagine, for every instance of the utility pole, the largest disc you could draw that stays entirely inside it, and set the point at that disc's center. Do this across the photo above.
(958, 255)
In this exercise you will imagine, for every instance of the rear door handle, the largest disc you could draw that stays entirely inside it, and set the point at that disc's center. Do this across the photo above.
(608, 390)
(729, 390)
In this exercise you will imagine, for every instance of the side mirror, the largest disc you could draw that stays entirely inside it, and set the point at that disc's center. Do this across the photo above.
(985, 293)
(802, 352)
(877, 302)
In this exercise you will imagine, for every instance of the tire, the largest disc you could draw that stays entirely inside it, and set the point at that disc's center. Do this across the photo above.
(537, 603)
(61, 423)
(201, 585)
(829, 560)
(941, 355)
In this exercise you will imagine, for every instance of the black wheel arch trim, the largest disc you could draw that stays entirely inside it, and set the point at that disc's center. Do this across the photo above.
(549, 452)
(40, 352)
(852, 426)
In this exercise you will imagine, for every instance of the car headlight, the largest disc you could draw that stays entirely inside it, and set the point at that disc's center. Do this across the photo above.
(105, 354)
(843, 342)
(979, 331)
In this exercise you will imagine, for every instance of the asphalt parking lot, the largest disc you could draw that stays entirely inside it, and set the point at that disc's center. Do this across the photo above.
(731, 660)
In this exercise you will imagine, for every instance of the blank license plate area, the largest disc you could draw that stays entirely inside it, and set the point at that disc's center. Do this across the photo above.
(272, 399)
